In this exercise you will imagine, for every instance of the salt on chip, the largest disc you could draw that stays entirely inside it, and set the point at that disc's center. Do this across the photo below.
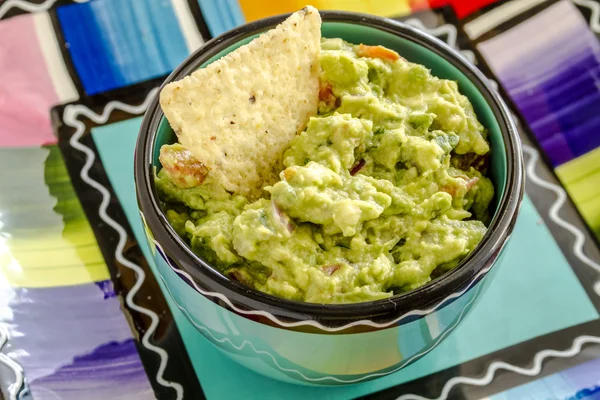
(239, 114)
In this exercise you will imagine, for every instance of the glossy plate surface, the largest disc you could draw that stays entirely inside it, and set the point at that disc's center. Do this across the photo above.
(78, 320)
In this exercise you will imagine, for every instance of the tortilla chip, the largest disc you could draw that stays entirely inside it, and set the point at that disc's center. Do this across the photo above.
(239, 114)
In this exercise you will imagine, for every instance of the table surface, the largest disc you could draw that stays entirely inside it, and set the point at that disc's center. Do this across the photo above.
(82, 315)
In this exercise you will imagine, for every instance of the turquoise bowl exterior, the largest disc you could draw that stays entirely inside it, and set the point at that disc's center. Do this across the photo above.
(314, 358)
(333, 344)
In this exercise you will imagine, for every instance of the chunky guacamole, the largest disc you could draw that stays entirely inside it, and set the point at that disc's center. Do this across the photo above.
(383, 191)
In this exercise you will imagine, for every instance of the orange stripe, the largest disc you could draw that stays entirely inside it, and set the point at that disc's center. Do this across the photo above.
(257, 9)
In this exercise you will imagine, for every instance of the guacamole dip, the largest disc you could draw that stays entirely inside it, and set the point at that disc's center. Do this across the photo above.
(383, 191)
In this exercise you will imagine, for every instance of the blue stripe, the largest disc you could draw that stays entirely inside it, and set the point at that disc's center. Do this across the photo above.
(221, 15)
(235, 12)
(115, 43)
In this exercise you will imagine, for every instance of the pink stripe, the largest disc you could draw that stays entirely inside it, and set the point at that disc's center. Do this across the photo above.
(26, 90)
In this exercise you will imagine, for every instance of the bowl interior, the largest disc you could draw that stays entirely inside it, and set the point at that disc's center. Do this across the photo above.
(413, 52)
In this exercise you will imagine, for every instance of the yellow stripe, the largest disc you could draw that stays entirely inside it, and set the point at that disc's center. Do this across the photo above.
(579, 167)
(60, 257)
(51, 261)
(18, 276)
(584, 189)
(54, 258)
(591, 212)
(384, 8)
(48, 240)
(581, 179)
(256, 9)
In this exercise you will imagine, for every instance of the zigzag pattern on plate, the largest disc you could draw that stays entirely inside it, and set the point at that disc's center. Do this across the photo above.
(70, 118)
(486, 379)
(29, 7)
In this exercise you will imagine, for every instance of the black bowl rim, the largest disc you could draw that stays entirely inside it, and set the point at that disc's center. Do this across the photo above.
(422, 299)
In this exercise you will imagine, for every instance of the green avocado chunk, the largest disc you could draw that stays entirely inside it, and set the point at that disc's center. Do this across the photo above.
(377, 196)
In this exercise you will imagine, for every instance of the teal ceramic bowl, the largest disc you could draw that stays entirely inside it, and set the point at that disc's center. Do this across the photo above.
(333, 344)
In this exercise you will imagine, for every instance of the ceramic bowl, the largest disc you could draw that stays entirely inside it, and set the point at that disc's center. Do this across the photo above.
(333, 344)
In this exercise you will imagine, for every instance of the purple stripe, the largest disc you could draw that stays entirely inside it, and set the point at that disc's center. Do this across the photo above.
(559, 92)
(80, 326)
(110, 371)
(568, 117)
(585, 137)
(554, 79)
(584, 374)
(563, 110)
(557, 149)
(528, 71)
(577, 122)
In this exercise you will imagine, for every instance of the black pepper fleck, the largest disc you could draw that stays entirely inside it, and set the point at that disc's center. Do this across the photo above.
(232, 123)
(252, 99)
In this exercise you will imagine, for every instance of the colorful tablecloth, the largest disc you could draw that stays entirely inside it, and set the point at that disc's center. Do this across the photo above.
(82, 315)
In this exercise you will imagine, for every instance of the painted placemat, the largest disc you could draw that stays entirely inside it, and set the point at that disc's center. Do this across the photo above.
(81, 312)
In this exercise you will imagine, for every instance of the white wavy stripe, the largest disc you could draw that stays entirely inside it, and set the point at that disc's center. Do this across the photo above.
(71, 114)
(302, 375)
(15, 387)
(554, 215)
(447, 29)
(29, 7)
(595, 9)
(316, 324)
(495, 366)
